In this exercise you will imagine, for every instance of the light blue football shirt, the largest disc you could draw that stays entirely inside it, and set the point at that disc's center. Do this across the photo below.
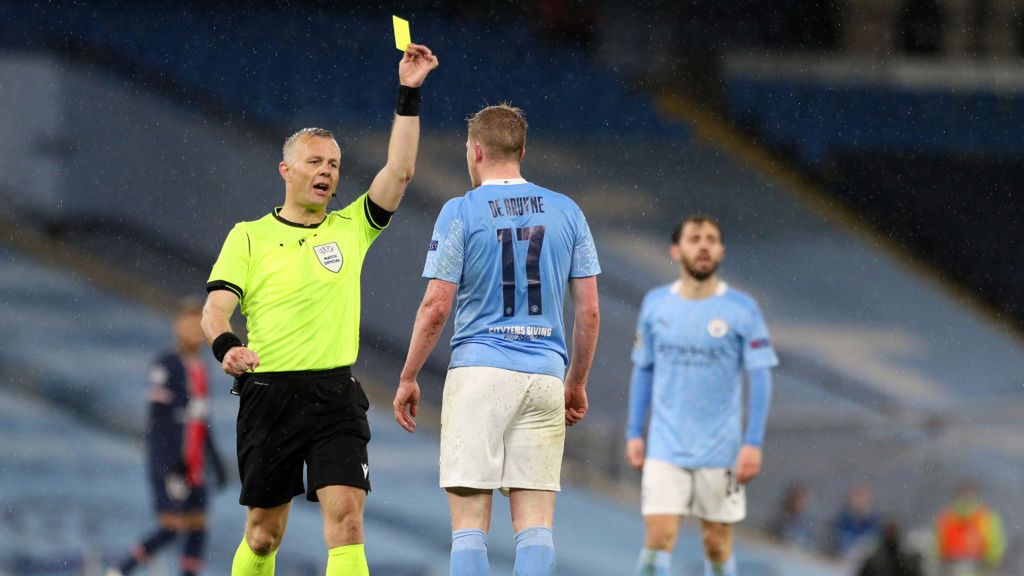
(698, 350)
(512, 247)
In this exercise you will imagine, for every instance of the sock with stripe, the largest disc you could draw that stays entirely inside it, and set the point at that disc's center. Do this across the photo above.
(727, 568)
(535, 552)
(653, 562)
(469, 553)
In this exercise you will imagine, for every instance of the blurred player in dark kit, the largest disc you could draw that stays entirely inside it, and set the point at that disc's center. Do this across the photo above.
(178, 443)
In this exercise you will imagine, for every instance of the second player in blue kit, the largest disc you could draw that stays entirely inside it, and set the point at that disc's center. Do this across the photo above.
(695, 338)
(509, 249)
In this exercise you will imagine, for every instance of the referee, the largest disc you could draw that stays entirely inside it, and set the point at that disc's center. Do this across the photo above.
(296, 274)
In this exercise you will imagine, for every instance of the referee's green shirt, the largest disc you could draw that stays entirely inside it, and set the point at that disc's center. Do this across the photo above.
(299, 286)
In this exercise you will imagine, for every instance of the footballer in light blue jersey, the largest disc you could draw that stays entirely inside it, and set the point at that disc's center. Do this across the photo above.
(511, 246)
(504, 256)
(695, 339)
(698, 350)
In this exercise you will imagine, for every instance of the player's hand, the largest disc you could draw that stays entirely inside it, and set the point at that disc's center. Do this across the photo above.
(575, 404)
(415, 65)
(239, 360)
(407, 401)
(636, 449)
(748, 464)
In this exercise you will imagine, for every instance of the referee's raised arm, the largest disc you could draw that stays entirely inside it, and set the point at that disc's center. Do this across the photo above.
(388, 186)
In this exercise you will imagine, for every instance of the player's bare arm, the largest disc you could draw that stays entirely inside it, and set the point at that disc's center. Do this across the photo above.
(220, 305)
(389, 185)
(584, 345)
(430, 320)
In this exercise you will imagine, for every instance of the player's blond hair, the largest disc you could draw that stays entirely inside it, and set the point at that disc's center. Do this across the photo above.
(289, 142)
(501, 130)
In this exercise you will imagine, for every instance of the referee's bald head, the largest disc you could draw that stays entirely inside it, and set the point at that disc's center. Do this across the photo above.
(291, 141)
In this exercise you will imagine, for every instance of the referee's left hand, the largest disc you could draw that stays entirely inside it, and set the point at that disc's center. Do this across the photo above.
(416, 63)
(407, 400)
(240, 360)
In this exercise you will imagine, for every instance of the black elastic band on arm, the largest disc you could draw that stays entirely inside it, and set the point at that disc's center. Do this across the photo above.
(224, 285)
(223, 343)
(408, 101)
(378, 217)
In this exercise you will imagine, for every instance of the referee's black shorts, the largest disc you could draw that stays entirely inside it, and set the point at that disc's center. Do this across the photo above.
(286, 419)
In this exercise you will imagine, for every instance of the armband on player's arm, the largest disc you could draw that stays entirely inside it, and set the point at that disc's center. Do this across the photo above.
(223, 343)
(760, 398)
(641, 387)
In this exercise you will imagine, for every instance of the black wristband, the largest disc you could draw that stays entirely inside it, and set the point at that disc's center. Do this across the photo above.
(408, 101)
(223, 343)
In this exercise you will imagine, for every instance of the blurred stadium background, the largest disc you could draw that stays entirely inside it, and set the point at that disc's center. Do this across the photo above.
(864, 157)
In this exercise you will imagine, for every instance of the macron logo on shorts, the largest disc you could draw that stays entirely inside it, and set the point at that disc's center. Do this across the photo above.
(366, 471)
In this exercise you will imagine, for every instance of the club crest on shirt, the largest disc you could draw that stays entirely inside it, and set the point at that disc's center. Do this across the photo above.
(718, 327)
(330, 256)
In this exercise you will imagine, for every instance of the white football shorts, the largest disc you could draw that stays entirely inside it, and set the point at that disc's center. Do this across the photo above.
(502, 429)
(710, 494)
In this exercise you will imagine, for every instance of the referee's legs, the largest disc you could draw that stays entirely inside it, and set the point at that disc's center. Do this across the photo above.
(342, 507)
(264, 529)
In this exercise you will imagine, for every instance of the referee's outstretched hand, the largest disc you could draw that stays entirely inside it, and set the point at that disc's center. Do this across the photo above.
(416, 63)
(407, 401)
(239, 360)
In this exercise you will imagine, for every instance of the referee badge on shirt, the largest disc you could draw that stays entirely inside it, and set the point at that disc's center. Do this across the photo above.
(718, 327)
(330, 256)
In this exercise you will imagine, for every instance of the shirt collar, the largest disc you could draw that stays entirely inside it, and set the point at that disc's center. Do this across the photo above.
(503, 181)
(279, 218)
(677, 287)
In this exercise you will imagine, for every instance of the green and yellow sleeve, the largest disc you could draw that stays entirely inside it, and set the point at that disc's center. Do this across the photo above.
(370, 227)
(231, 270)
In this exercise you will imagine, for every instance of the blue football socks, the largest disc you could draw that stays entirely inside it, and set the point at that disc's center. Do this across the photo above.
(535, 552)
(653, 562)
(469, 553)
(727, 568)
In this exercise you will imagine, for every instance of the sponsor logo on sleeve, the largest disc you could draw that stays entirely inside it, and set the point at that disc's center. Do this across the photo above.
(758, 344)
(432, 247)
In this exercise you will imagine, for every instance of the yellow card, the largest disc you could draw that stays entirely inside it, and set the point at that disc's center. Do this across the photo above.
(402, 37)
